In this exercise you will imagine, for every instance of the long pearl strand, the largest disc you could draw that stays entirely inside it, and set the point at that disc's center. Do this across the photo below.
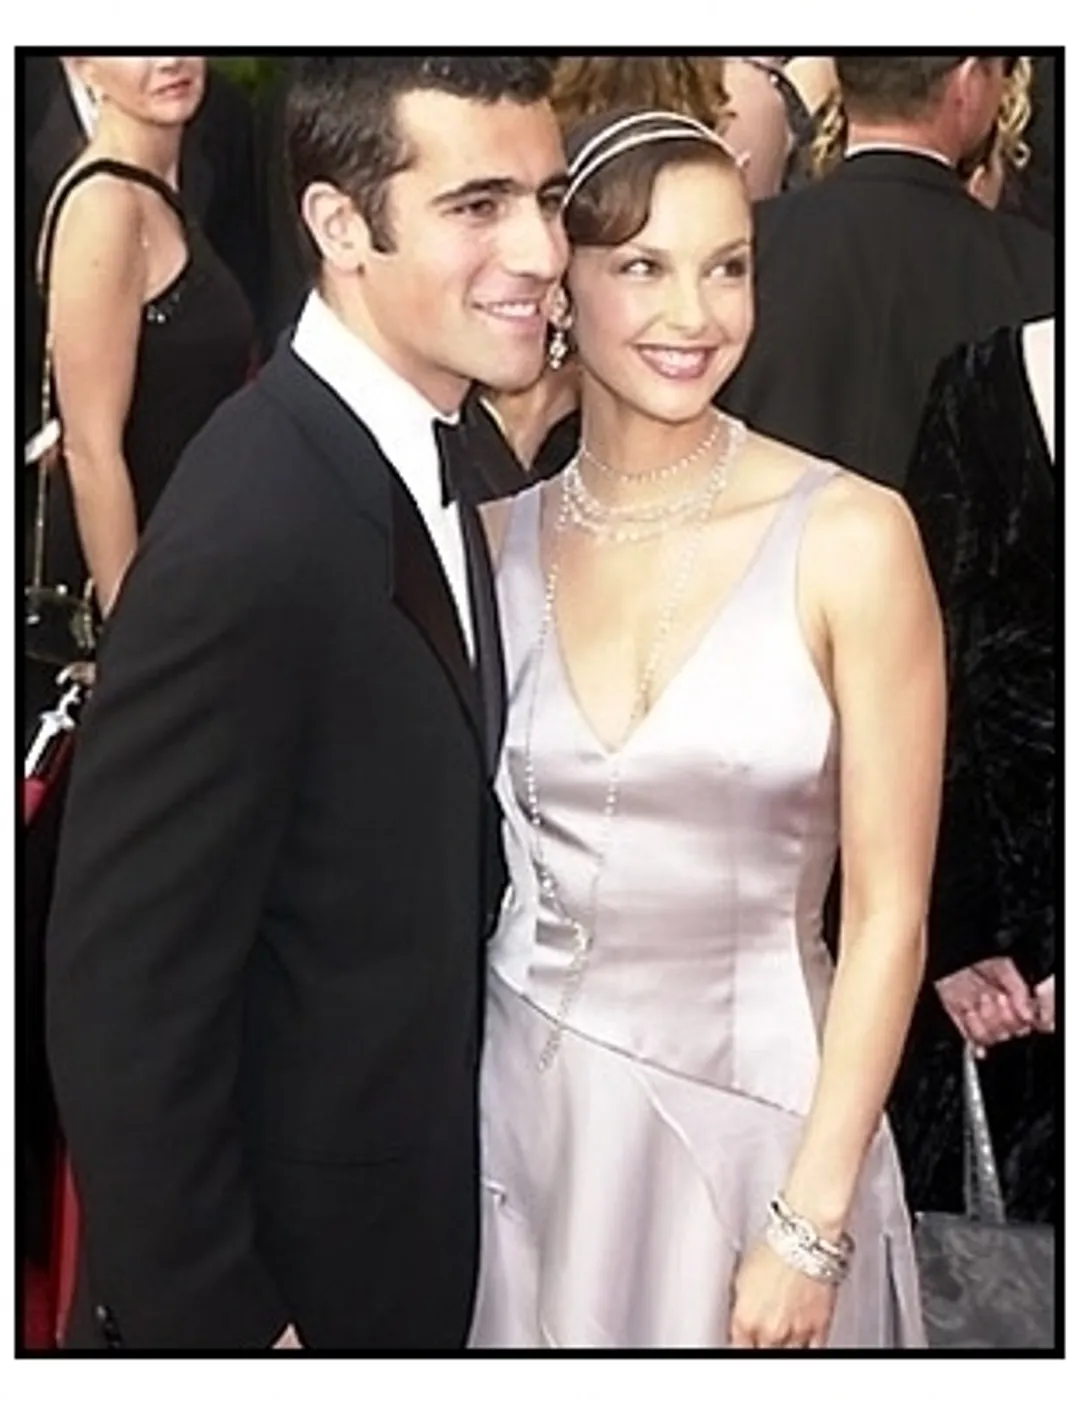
(583, 931)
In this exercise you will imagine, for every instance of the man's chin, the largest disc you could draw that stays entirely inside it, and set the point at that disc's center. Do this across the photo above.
(511, 376)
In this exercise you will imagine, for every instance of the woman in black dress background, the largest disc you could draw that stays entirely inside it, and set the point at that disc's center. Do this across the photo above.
(150, 332)
(985, 497)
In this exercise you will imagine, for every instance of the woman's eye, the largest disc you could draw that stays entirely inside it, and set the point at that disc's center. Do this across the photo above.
(639, 267)
(733, 268)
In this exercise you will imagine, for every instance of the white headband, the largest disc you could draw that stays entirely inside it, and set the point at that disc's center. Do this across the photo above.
(660, 126)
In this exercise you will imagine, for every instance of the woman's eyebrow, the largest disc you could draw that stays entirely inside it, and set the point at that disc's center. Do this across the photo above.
(647, 249)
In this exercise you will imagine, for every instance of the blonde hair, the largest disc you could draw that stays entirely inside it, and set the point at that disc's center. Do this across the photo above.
(1014, 115)
(586, 87)
(828, 143)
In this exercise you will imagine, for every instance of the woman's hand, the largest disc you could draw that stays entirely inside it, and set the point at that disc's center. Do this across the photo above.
(776, 1306)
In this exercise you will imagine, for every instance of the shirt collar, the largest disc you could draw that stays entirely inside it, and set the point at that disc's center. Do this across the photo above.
(902, 147)
(394, 412)
(380, 397)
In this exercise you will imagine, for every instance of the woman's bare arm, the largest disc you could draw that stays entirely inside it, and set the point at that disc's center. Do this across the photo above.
(95, 310)
(889, 686)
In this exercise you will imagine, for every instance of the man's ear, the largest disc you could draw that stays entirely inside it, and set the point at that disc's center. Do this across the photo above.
(959, 83)
(336, 227)
(970, 82)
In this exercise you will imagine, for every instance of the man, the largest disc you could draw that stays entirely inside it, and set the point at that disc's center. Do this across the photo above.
(867, 279)
(281, 856)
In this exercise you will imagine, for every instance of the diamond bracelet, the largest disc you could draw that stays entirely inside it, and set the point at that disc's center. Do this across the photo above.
(799, 1244)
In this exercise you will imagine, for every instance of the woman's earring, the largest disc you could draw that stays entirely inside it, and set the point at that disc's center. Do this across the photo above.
(561, 319)
(557, 348)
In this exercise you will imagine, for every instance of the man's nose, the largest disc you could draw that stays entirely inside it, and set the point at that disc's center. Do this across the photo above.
(536, 245)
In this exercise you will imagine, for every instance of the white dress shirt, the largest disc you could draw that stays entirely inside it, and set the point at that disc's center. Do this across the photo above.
(401, 420)
(900, 146)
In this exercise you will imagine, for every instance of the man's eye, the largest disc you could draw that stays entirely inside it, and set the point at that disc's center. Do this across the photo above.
(484, 207)
(551, 202)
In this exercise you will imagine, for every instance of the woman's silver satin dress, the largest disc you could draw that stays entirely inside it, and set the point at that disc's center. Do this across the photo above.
(622, 1185)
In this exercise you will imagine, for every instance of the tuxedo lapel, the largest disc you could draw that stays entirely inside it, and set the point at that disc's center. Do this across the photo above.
(421, 591)
(418, 586)
(487, 632)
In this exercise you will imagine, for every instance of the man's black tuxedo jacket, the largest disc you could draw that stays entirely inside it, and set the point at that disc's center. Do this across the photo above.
(279, 867)
(864, 282)
(217, 180)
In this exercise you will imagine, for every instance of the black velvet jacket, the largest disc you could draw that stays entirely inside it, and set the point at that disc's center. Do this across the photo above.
(982, 487)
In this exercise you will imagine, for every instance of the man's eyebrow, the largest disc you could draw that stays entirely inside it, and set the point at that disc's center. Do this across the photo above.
(486, 185)
(500, 186)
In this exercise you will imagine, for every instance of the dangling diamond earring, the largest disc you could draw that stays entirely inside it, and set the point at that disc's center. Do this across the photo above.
(561, 317)
(557, 348)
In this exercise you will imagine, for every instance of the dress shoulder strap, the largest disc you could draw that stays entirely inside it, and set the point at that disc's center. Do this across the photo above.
(522, 535)
(774, 565)
(103, 166)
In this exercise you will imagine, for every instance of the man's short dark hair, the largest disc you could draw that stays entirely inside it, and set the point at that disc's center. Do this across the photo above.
(341, 126)
(882, 87)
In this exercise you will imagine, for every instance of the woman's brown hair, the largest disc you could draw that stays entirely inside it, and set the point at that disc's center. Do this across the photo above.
(586, 87)
(613, 205)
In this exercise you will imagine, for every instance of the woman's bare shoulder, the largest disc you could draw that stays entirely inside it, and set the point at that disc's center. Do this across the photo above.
(863, 541)
(101, 216)
(848, 500)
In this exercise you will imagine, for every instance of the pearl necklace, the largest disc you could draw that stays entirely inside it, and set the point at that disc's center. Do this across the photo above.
(657, 474)
(583, 930)
(629, 523)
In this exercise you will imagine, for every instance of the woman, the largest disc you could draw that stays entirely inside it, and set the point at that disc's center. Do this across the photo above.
(986, 498)
(149, 333)
(540, 423)
(723, 658)
(149, 330)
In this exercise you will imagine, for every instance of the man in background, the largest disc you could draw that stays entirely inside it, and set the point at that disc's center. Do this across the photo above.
(867, 279)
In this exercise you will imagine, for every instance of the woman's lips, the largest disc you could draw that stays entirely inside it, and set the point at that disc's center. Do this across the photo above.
(676, 363)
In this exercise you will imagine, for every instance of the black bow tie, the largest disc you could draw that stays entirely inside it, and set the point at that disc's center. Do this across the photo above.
(477, 464)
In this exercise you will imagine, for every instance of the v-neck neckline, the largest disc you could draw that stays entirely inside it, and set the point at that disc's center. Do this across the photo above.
(616, 752)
